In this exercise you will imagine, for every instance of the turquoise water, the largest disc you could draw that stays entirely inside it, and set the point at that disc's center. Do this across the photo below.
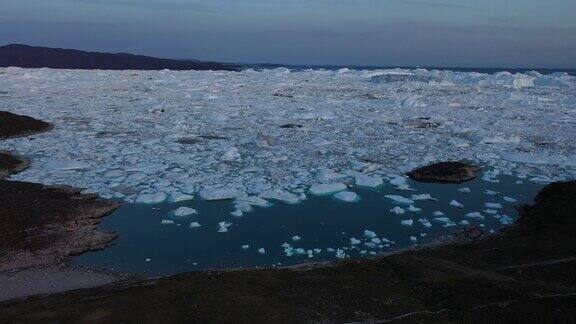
(147, 247)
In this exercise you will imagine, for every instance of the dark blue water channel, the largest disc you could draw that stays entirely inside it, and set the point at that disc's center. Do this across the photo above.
(323, 225)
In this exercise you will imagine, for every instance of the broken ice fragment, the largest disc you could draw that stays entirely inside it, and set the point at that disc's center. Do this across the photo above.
(231, 154)
(280, 195)
(510, 199)
(397, 210)
(237, 213)
(414, 209)
(194, 225)
(368, 181)
(223, 227)
(369, 234)
(245, 247)
(465, 190)
(456, 204)
(220, 193)
(296, 238)
(423, 197)
(347, 196)
(407, 222)
(166, 222)
(184, 211)
(355, 241)
(327, 188)
(261, 251)
(493, 205)
(153, 198)
(474, 215)
(399, 199)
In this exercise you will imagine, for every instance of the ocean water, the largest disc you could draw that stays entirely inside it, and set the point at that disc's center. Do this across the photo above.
(323, 227)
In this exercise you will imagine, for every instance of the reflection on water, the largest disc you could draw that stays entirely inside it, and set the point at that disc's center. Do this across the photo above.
(319, 229)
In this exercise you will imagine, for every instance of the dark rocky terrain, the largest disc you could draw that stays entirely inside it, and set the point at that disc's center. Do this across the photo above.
(445, 172)
(41, 225)
(25, 56)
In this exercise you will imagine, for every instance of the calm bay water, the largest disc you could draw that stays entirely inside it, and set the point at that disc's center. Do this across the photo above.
(147, 247)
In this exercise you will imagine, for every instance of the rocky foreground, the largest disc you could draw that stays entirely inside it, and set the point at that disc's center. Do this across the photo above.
(526, 274)
(43, 225)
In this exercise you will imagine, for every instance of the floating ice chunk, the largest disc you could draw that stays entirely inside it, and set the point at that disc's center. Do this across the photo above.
(280, 195)
(456, 204)
(368, 181)
(184, 211)
(369, 234)
(399, 199)
(254, 201)
(223, 227)
(237, 213)
(340, 254)
(66, 165)
(355, 241)
(296, 238)
(438, 213)
(465, 190)
(166, 222)
(180, 197)
(347, 196)
(476, 215)
(510, 199)
(376, 240)
(327, 175)
(194, 225)
(327, 188)
(493, 205)
(491, 192)
(491, 211)
(397, 210)
(541, 179)
(425, 222)
(407, 222)
(413, 239)
(261, 251)
(151, 198)
(220, 193)
(231, 154)
(245, 247)
(447, 221)
(414, 209)
(423, 197)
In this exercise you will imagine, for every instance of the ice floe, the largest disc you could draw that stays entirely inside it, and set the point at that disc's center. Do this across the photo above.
(327, 188)
(347, 196)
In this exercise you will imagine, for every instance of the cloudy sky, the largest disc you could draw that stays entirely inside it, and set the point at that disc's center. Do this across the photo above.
(478, 33)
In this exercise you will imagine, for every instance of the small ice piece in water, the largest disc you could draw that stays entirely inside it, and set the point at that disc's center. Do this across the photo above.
(254, 201)
(184, 211)
(476, 215)
(376, 240)
(413, 239)
(491, 211)
(340, 254)
(231, 154)
(397, 210)
(180, 197)
(327, 188)
(166, 222)
(414, 209)
(423, 197)
(245, 247)
(347, 196)
(438, 213)
(355, 241)
(464, 222)
(456, 204)
(151, 198)
(510, 199)
(425, 222)
(261, 251)
(237, 213)
(194, 225)
(465, 190)
(493, 205)
(220, 193)
(491, 192)
(223, 227)
(296, 238)
(363, 180)
(399, 199)
(407, 222)
(369, 234)
(281, 195)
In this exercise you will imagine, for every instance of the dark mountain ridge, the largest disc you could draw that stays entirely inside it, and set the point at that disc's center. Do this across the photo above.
(26, 56)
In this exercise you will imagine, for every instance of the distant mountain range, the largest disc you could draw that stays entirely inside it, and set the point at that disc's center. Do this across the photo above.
(25, 56)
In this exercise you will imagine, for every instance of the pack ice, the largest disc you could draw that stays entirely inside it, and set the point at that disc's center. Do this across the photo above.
(151, 136)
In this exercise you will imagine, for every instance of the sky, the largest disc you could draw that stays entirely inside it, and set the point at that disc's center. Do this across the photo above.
(444, 33)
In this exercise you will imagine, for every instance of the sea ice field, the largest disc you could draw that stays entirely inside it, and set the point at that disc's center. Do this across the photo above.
(218, 161)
